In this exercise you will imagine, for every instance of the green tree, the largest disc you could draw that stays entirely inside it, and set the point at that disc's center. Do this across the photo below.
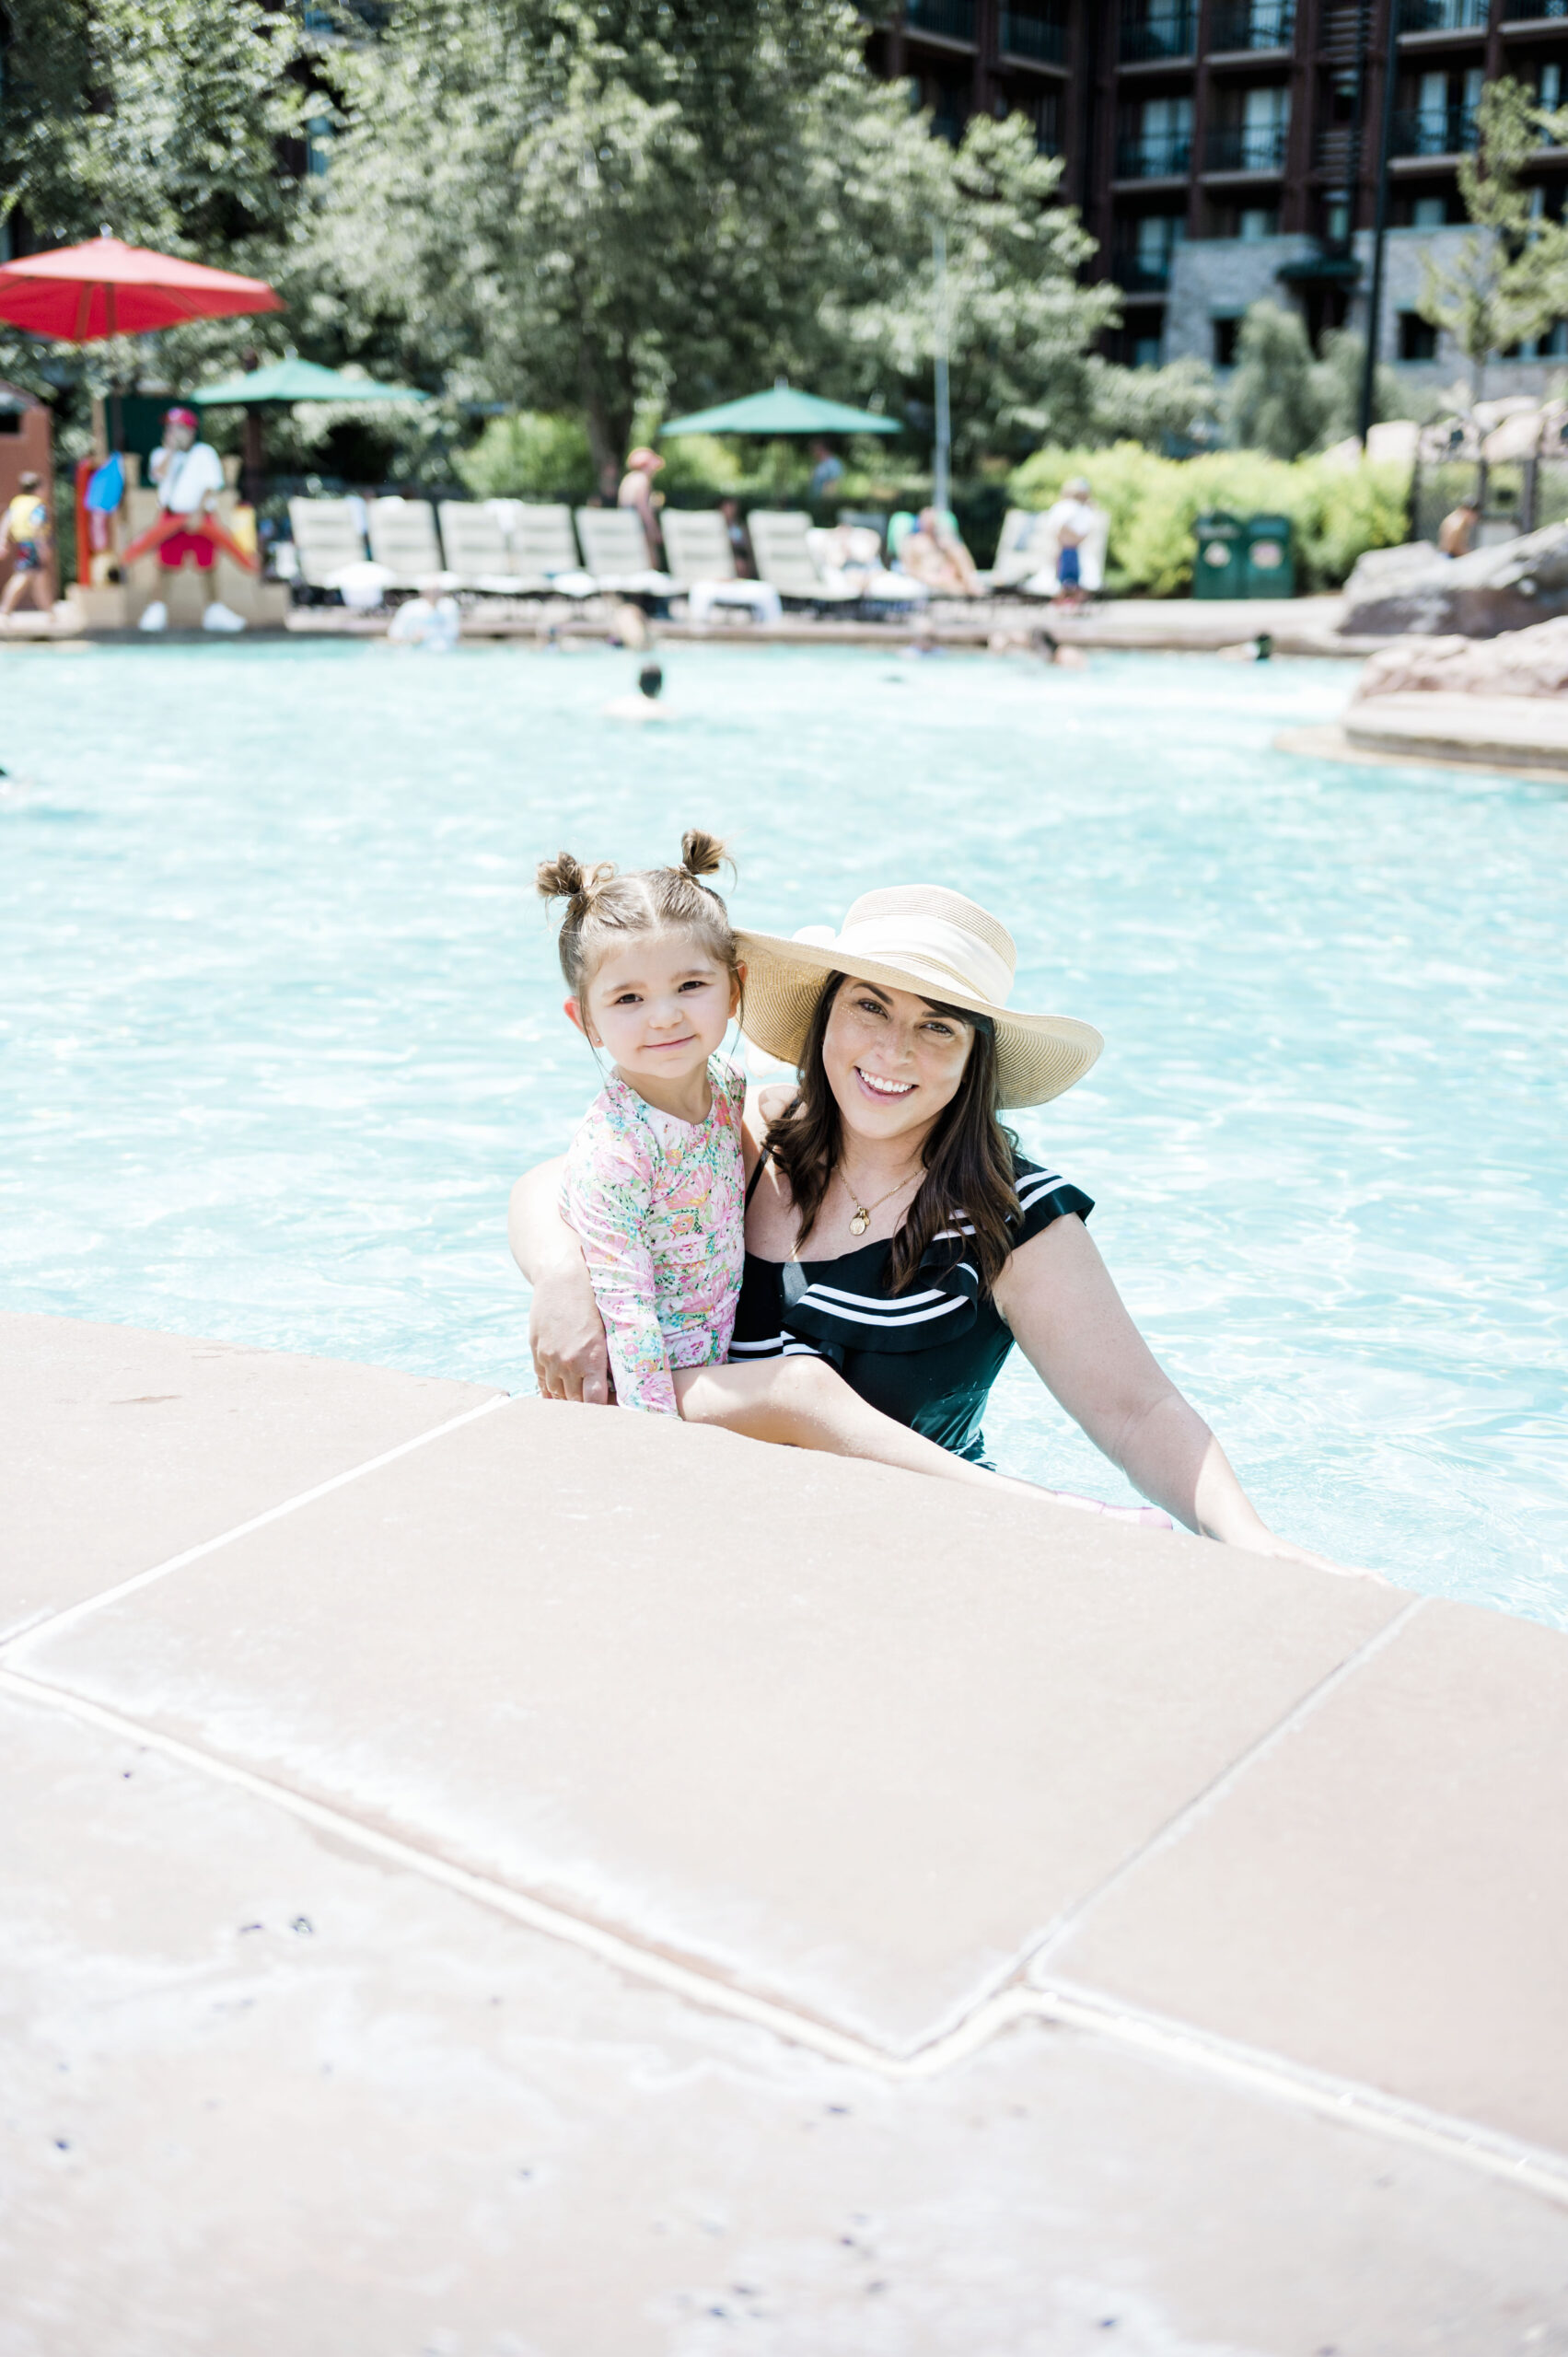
(1019, 324)
(1509, 279)
(1181, 402)
(1277, 400)
(652, 203)
(160, 118)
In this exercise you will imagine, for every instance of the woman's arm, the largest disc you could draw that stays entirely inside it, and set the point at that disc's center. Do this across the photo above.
(1057, 1295)
(566, 1330)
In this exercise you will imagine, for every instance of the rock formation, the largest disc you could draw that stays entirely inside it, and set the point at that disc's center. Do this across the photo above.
(1393, 591)
(1532, 662)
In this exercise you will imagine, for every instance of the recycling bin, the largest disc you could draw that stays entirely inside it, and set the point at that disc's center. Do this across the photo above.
(1244, 556)
(1221, 569)
(1271, 559)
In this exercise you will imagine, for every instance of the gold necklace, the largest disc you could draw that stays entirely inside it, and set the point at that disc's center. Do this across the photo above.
(860, 1217)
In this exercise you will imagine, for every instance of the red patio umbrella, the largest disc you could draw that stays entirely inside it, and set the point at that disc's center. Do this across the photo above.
(83, 293)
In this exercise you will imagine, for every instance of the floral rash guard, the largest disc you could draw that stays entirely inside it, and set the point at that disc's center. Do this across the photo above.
(659, 1207)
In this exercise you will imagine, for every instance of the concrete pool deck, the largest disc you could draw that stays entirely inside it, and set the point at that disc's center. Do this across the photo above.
(488, 1878)
(1306, 625)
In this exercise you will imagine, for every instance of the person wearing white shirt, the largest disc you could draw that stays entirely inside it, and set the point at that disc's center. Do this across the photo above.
(188, 476)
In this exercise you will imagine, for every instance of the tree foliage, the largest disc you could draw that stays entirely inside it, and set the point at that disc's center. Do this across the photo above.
(1509, 278)
(1285, 402)
(632, 207)
(160, 120)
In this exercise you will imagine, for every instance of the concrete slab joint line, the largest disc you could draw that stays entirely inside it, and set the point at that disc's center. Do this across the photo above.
(53, 1623)
(1202, 1802)
(1526, 2166)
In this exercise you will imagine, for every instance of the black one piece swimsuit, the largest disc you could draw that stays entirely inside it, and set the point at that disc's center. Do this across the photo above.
(927, 1356)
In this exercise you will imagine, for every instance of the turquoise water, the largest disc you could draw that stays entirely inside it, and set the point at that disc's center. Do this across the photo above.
(280, 1020)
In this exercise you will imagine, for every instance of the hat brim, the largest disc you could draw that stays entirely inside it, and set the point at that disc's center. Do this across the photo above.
(1038, 1056)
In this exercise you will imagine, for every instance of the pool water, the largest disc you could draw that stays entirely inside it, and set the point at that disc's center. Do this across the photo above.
(281, 1020)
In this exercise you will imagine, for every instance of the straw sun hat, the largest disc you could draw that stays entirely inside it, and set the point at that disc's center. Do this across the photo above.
(914, 938)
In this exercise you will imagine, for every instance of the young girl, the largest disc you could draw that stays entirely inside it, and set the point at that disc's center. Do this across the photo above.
(654, 1182)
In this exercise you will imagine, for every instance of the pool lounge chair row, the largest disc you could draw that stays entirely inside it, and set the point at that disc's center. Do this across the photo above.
(513, 548)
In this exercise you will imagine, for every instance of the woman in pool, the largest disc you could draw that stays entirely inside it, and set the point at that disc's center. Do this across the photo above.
(891, 1226)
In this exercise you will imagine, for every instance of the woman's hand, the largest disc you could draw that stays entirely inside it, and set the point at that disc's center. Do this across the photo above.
(565, 1331)
(566, 1338)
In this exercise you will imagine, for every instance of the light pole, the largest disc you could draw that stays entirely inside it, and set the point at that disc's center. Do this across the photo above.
(943, 457)
(1379, 229)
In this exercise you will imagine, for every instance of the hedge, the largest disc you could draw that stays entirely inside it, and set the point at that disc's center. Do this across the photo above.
(1337, 512)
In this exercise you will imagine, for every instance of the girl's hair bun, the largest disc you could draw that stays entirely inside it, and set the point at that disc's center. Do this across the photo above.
(601, 904)
(702, 854)
(565, 878)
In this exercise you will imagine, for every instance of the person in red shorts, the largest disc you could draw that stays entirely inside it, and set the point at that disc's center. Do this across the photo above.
(188, 476)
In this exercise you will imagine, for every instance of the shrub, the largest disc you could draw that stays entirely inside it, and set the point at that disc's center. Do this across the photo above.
(1336, 511)
(528, 455)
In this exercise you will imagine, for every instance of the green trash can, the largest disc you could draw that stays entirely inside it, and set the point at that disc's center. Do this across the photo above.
(1271, 560)
(1244, 556)
(1221, 569)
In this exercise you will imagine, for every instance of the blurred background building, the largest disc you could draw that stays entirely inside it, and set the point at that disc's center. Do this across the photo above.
(1222, 151)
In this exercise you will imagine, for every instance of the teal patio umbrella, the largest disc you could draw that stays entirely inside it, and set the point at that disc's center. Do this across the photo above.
(282, 384)
(782, 411)
(288, 381)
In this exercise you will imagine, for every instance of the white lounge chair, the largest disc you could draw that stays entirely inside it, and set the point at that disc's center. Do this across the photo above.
(615, 549)
(327, 537)
(544, 554)
(702, 562)
(859, 566)
(473, 533)
(404, 539)
(1026, 553)
(783, 551)
(697, 545)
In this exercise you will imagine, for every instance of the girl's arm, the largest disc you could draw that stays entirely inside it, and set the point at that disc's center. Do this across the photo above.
(1057, 1295)
(565, 1331)
(803, 1402)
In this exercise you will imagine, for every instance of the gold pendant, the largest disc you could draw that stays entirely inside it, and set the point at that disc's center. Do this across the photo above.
(860, 1222)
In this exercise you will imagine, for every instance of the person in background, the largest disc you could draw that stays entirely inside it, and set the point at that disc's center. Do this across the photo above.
(430, 620)
(735, 525)
(187, 474)
(1456, 534)
(637, 492)
(827, 473)
(1074, 520)
(934, 553)
(26, 533)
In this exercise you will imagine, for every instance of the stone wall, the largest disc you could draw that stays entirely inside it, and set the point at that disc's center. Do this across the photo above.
(1218, 278)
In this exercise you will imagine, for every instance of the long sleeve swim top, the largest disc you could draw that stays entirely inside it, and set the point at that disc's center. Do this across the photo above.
(658, 1205)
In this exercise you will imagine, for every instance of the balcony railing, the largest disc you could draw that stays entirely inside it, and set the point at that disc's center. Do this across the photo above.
(1247, 147)
(952, 19)
(1253, 24)
(1154, 155)
(1160, 32)
(1141, 273)
(1025, 34)
(1433, 131)
(1443, 16)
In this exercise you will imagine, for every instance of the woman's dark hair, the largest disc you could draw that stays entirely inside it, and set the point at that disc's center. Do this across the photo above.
(968, 1154)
